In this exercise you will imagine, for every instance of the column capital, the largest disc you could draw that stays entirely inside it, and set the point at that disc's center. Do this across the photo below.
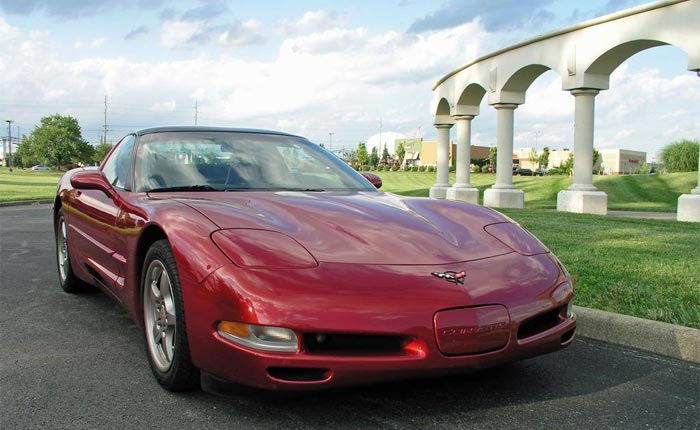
(505, 106)
(464, 117)
(584, 91)
(443, 125)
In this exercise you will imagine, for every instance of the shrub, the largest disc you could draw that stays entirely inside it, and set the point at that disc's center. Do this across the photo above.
(421, 168)
(431, 168)
(681, 156)
(485, 168)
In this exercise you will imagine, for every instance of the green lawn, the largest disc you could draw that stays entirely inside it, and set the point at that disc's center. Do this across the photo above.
(27, 184)
(645, 268)
(633, 192)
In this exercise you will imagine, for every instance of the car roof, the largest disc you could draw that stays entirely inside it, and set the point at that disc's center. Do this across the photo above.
(182, 128)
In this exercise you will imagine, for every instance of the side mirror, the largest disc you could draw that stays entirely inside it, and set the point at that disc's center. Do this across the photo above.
(92, 180)
(374, 179)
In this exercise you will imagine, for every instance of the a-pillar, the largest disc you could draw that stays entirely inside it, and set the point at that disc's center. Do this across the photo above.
(689, 204)
(463, 189)
(439, 190)
(582, 196)
(503, 193)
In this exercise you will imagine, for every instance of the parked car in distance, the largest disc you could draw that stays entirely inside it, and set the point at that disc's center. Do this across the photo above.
(526, 172)
(38, 167)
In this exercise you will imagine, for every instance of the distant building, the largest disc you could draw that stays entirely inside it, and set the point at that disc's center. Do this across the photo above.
(421, 152)
(621, 161)
(611, 162)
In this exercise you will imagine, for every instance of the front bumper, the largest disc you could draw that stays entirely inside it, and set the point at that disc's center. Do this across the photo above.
(386, 302)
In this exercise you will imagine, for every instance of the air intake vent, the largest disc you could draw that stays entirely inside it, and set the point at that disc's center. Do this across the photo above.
(539, 323)
(352, 343)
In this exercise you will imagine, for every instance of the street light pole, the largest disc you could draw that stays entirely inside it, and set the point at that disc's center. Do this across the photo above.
(330, 141)
(9, 138)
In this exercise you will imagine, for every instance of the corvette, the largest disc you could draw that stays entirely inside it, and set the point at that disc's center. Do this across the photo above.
(259, 258)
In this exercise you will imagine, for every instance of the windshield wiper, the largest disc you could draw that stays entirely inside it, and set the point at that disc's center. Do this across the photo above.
(185, 188)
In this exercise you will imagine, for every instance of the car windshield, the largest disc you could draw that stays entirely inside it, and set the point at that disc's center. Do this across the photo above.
(239, 161)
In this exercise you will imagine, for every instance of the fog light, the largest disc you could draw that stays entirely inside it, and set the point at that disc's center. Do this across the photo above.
(263, 338)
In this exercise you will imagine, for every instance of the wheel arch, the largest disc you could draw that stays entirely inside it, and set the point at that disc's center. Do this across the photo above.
(150, 235)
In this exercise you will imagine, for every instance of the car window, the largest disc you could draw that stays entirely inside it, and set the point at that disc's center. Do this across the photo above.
(239, 161)
(117, 167)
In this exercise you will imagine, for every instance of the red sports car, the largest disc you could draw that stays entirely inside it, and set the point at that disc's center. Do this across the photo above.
(260, 258)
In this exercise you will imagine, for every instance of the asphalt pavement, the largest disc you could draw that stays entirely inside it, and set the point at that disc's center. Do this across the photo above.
(78, 362)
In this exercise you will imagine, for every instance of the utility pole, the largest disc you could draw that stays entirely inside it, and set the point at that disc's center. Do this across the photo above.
(9, 139)
(537, 135)
(330, 141)
(380, 131)
(196, 112)
(104, 130)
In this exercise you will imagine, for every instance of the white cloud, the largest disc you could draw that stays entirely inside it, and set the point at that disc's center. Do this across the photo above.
(340, 80)
(96, 43)
(167, 106)
(176, 34)
(7, 32)
(247, 33)
(312, 22)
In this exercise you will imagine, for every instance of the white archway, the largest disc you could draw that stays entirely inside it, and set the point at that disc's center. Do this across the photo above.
(584, 56)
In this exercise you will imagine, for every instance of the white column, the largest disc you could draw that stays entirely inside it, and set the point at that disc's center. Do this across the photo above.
(582, 196)
(503, 193)
(463, 189)
(583, 139)
(439, 190)
(689, 204)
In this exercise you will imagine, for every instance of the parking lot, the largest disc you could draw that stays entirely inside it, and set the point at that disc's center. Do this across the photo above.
(78, 362)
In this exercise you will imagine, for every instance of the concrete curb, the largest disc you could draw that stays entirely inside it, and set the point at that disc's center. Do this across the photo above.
(661, 338)
(26, 203)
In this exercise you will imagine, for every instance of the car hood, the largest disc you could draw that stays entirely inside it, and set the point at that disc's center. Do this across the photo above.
(362, 227)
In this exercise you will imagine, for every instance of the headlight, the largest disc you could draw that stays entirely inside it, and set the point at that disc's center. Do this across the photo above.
(516, 238)
(263, 338)
(262, 249)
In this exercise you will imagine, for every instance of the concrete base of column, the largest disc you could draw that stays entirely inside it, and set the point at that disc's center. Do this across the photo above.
(504, 198)
(438, 192)
(469, 195)
(583, 202)
(689, 208)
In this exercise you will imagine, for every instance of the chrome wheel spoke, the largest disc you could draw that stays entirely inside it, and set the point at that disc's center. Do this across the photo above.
(157, 334)
(167, 343)
(165, 290)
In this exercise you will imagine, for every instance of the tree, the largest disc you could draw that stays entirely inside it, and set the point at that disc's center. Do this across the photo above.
(400, 153)
(385, 154)
(362, 155)
(596, 157)
(374, 157)
(543, 159)
(493, 155)
(101, 151)
(534, 158)
(568, 166)
(681, 156)
(58, 140)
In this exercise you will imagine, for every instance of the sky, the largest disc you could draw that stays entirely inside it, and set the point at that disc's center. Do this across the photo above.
(335, 72)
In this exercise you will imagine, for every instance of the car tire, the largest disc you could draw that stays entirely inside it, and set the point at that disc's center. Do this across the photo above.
(67, 279)
(164, 321)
